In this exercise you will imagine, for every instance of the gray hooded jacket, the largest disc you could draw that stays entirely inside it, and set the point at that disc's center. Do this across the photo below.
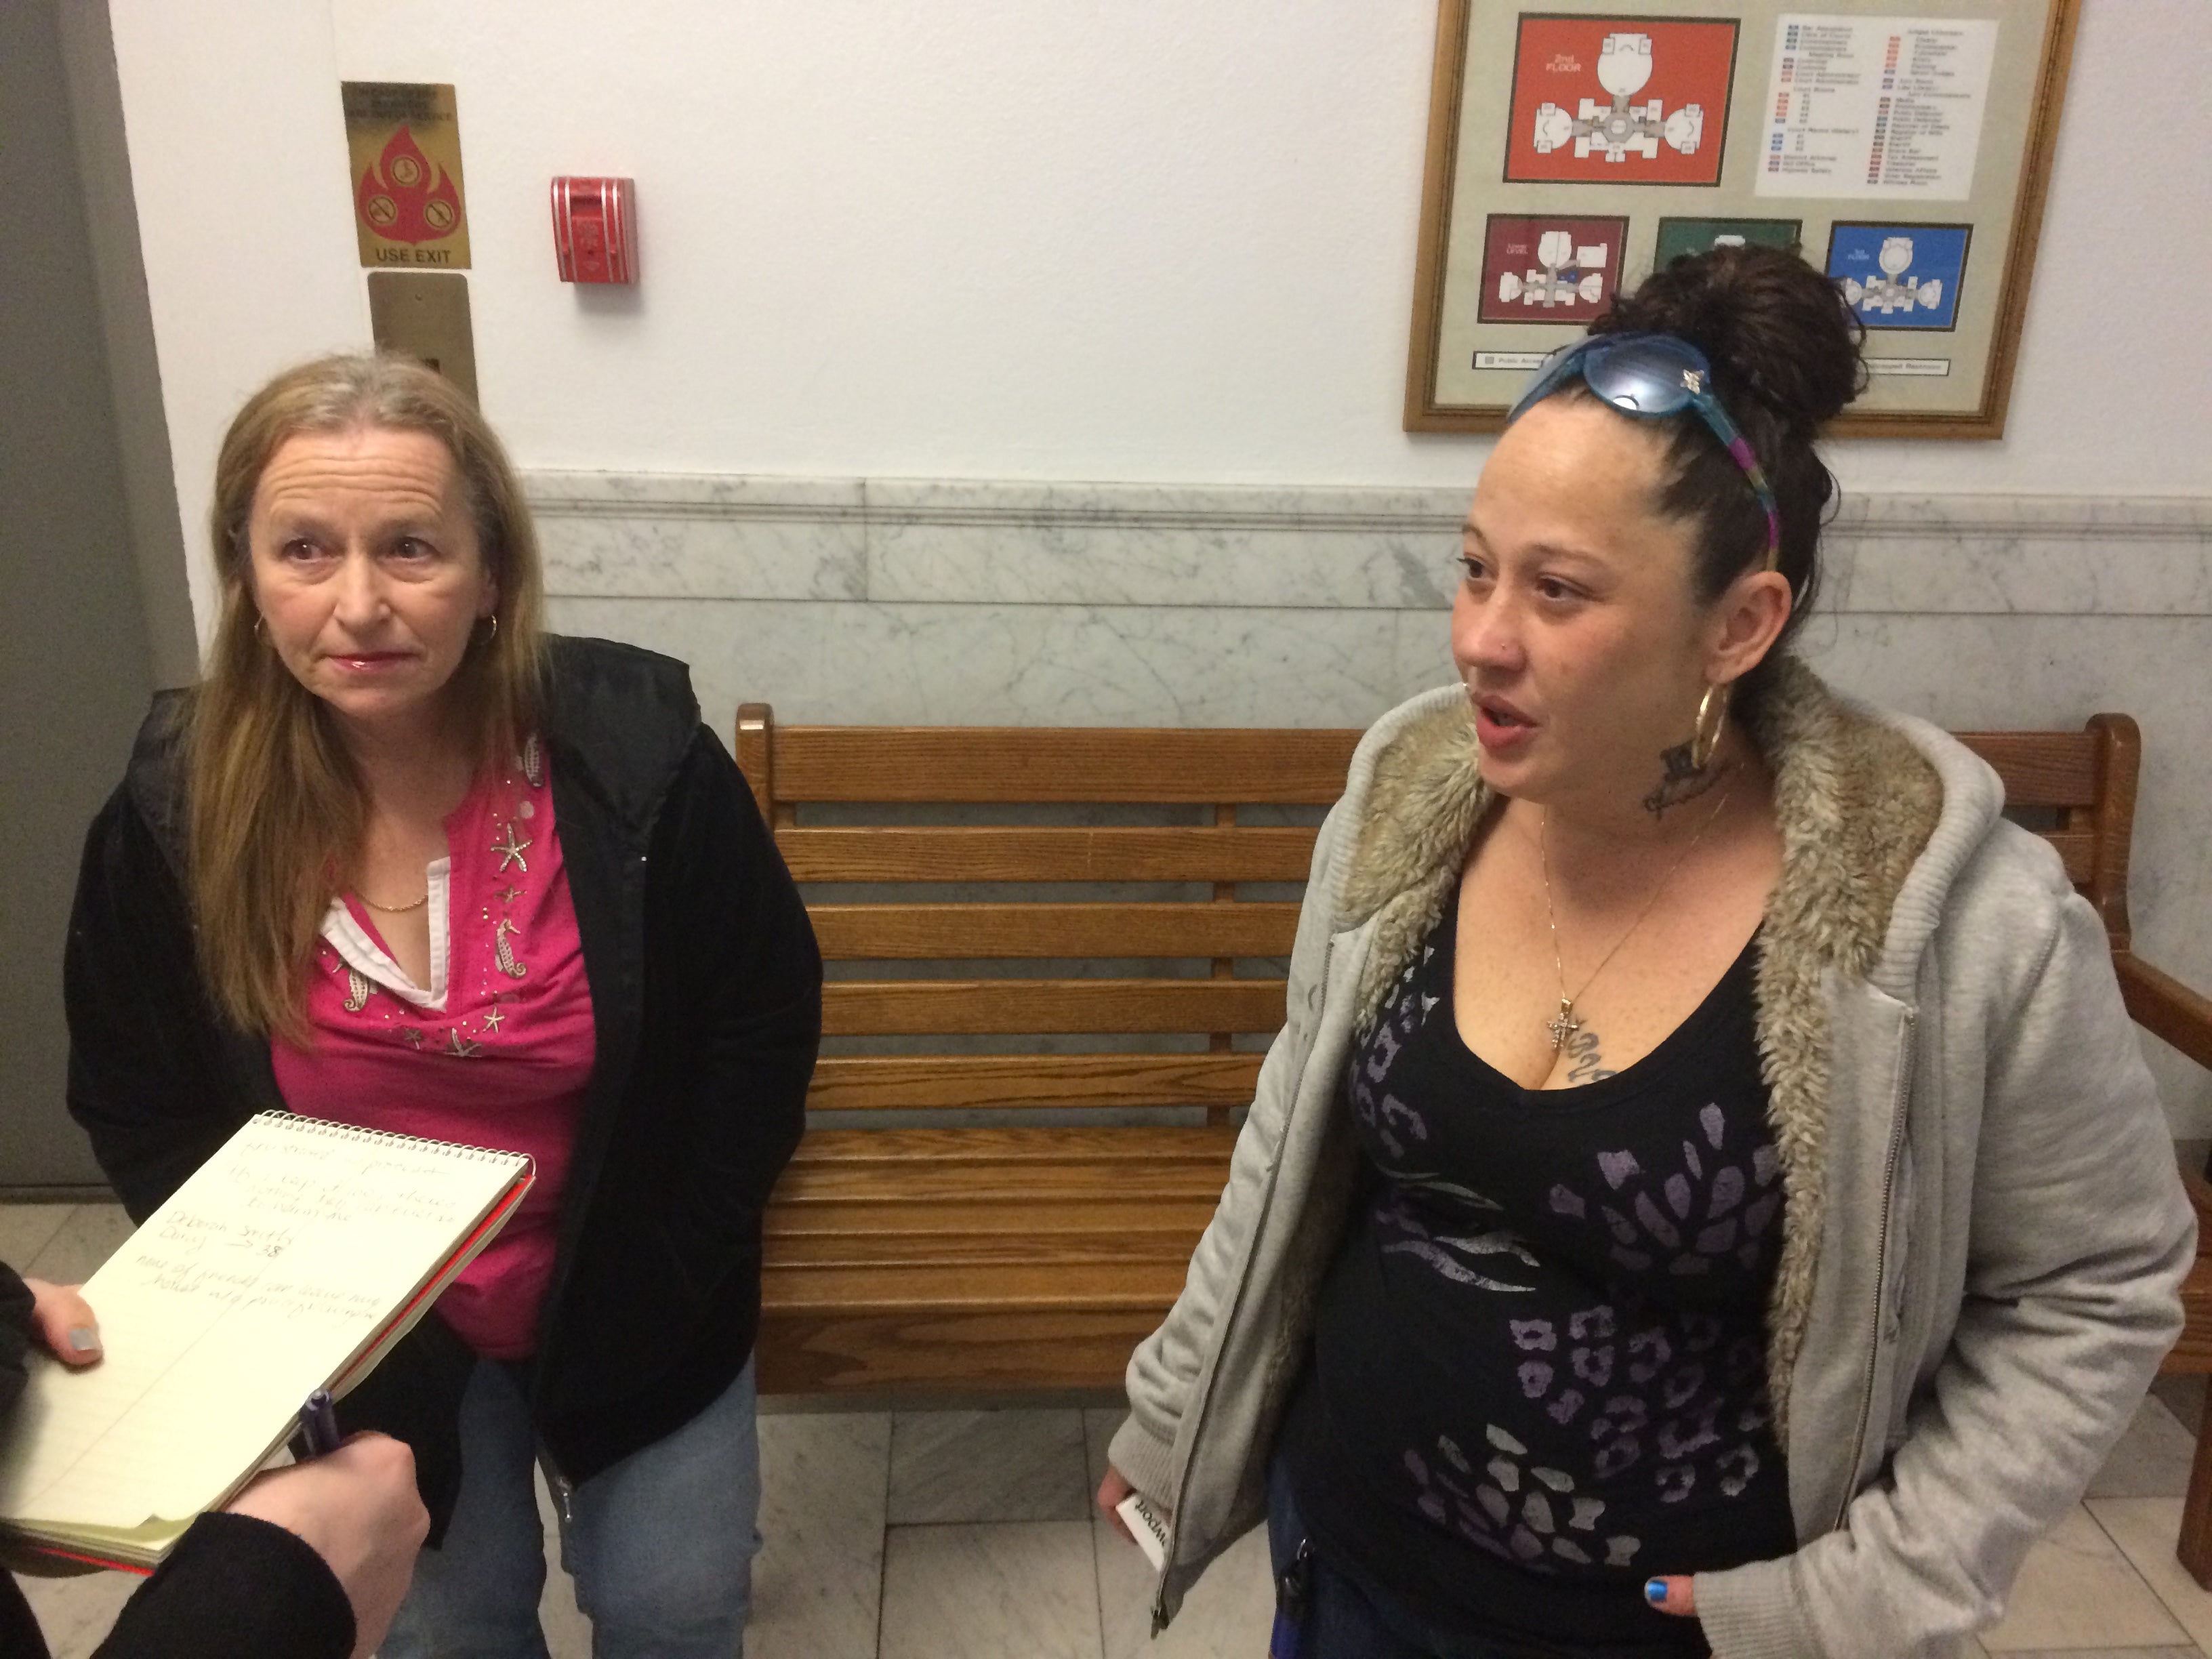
(1985, 1229)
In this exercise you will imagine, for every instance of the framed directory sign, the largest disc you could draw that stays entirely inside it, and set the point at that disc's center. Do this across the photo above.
(1901, 146)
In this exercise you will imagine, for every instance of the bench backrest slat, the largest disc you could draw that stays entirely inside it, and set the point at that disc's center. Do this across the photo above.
(873, 1082)
(2090, 777)
(946, 1007)
(2040, 769)
(1081, 763)
(1168, 967)
(899, 852)
(952, 931)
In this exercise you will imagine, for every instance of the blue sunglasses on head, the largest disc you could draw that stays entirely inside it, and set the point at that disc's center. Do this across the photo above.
(1652, 375)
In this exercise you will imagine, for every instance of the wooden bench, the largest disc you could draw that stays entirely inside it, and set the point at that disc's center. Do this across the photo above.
(1036, 1254)
(1032, 1254)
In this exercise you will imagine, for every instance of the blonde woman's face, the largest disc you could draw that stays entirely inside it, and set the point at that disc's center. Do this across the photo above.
(367, 574)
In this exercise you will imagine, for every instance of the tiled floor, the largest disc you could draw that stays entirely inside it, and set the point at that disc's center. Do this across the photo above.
(970, 1535)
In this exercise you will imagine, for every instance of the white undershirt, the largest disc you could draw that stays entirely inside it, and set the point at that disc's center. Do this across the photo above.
(361, 952)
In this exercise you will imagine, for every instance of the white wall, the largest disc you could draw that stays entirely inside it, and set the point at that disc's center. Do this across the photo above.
(1011, 239)
(1131, 239)
(238, 164)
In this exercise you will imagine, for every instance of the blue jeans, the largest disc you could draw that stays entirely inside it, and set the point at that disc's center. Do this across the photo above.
(660, 1545)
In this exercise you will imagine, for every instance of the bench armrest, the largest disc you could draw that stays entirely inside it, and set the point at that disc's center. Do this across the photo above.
(2165, 1007)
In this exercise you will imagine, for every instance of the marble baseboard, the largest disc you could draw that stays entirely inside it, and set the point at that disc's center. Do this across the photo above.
(947, 665)
(700, 537)
(975, 543)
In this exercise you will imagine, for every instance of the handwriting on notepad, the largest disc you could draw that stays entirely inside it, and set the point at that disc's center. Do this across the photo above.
(235, 1257)
(188, 1231)
(190, 1275)
(332, 1200)
(266, 1275)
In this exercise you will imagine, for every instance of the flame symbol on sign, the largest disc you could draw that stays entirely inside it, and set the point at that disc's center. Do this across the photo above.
(405, 198)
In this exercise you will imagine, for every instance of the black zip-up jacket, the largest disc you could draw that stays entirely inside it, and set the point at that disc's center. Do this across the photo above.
(707, 1003)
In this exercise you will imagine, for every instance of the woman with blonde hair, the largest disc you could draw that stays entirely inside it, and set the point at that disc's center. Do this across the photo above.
(402, 861)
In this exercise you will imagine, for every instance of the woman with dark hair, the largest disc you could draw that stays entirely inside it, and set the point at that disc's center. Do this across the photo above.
(1707, 1197)
(401, 860)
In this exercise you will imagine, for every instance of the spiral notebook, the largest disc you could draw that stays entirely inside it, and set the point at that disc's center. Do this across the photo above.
(291, 1261)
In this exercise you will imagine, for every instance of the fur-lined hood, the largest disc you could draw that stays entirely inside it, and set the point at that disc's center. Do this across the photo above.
(1876, 814)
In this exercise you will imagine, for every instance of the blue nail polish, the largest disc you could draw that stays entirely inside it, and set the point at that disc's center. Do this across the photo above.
(1654, 1590)
(83, 1339)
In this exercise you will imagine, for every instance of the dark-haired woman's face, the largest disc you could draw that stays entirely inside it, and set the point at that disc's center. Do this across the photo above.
(1575, 627)
(368, 572)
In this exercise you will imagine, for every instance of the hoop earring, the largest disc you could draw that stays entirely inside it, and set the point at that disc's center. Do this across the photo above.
(258, 620)
(1712, 719)
(495, 628)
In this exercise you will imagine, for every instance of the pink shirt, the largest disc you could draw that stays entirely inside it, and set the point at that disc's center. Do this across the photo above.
(495, 1052)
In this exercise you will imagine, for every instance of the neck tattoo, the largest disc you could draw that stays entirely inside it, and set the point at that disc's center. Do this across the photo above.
(1685, 781)
(1562, 1025)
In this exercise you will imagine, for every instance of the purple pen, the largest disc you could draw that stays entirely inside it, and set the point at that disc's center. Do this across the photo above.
(318, 1424)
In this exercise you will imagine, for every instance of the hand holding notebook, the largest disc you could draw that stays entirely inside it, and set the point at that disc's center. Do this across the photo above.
(291, 1261)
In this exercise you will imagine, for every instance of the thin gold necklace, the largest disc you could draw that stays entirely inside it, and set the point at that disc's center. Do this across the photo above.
(1562, 1025)
(392, 909)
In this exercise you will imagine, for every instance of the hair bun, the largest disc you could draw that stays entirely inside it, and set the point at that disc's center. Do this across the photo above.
(1774, 328)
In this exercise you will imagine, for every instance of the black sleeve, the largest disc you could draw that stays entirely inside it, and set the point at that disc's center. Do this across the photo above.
(15, 1305)
(146, 1063)
(19, 1631)
(727, 936)
(236, 1585)
(20, 1637)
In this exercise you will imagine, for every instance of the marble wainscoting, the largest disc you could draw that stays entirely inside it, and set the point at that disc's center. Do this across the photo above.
(963, 603)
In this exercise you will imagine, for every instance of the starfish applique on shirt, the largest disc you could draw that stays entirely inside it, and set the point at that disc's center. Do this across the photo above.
(509, 848)
(492, 1018)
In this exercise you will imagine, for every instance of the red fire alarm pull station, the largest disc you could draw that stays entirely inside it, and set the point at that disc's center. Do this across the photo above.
(595, 230)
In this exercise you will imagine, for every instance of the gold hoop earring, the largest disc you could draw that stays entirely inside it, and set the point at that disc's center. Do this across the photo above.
(1712, 719)
(495, 627)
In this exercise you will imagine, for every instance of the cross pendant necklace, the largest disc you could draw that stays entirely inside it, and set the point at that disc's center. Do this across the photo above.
(1562, 1025)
